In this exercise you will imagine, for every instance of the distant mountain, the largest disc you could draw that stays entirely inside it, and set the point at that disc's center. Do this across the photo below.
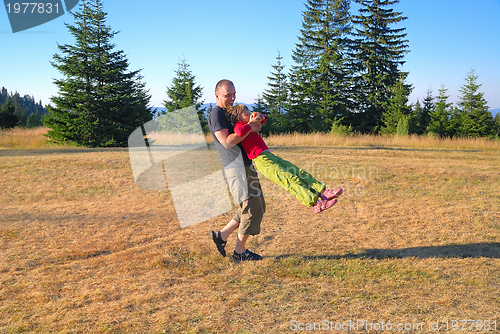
(251, 106)
(206, 105)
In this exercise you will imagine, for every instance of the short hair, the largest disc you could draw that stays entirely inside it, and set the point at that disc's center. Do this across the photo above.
(234, 112)
(223, 82)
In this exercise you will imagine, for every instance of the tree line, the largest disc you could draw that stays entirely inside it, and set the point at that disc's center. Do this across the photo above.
(346, 77)
(17, 110)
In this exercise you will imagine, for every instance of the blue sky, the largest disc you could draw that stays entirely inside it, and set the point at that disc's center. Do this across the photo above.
(240, 40)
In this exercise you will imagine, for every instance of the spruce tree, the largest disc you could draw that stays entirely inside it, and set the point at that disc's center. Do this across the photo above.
(425, 116)
(440, 117)
(456, 122)
(275, 98)
(377, 51)
(261, 107)
(416, 119)
(25, 108)
(497, 125)
(396, 109)
(8, 116)
(476, 118)
(4, 95)
(99, 102)
(34, 120)
(17, 102)
(319, 80)
(185, 93)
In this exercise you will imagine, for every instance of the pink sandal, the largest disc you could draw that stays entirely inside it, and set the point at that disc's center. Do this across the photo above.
(323, 204)
(331, 194)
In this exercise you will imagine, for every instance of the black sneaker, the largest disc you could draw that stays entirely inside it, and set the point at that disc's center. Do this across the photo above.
(219, 242)
(246, 256)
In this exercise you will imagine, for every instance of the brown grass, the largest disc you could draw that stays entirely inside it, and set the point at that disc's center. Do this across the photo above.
(383, 141)
(23, 138)
(414, 239)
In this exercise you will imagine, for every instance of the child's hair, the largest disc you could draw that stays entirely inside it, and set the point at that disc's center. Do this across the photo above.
(235, 112)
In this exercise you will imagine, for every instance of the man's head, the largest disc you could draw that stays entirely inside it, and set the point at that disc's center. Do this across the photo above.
(225, 93)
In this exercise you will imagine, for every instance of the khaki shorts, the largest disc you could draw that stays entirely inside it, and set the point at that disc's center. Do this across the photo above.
(252, 206)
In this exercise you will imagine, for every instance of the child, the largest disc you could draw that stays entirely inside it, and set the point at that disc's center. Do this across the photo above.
(285, 174)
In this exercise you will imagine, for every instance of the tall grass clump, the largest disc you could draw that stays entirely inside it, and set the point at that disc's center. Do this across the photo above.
(341, 139)
(23, 138)
(339, 136)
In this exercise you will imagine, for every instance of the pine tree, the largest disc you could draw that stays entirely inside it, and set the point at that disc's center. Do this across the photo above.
(456, 122)
(377, 51)
(319, 81)
(99, 102)
(20, 111)
(8, 116)
(275, 98)
(416, 119)
(425, 116)
(4, 95)
(477, 120)
(34, 120)
(440, 116)
(184, 93)
(396, 109)
(23, 118)
(24, 106)
(497, 125)
(260, 107)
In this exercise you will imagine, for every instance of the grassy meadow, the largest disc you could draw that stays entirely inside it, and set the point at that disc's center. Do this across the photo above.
(414, 241)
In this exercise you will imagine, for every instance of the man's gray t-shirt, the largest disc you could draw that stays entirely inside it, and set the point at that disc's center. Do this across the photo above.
(217, 120)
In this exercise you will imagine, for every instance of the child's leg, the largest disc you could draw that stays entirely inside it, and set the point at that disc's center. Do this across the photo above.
(298, 182)
(304, 176)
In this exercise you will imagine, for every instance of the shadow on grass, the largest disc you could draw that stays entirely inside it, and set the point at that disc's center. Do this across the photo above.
(476, 250)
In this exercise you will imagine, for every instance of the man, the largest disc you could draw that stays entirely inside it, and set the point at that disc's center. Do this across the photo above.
(240, 174)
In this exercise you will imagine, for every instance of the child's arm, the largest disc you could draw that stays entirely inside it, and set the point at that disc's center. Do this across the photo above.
(242, 129)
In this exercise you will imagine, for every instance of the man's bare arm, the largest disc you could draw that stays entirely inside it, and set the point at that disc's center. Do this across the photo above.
(228, 141)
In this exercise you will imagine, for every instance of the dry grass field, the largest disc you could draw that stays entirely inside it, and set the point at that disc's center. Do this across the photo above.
(413, 243)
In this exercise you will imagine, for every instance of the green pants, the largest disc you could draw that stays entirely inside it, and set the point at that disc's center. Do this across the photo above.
(296, 181)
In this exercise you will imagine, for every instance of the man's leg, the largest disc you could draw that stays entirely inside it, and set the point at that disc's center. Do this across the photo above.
(240, 243)
(228, 229)
(220, 238)
(247, 219)
(243, 254)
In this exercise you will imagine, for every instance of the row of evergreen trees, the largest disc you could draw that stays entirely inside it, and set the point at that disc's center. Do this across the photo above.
(347, 76)
(470, 117)
(17, 110)
(436, 115)
(347, 68)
